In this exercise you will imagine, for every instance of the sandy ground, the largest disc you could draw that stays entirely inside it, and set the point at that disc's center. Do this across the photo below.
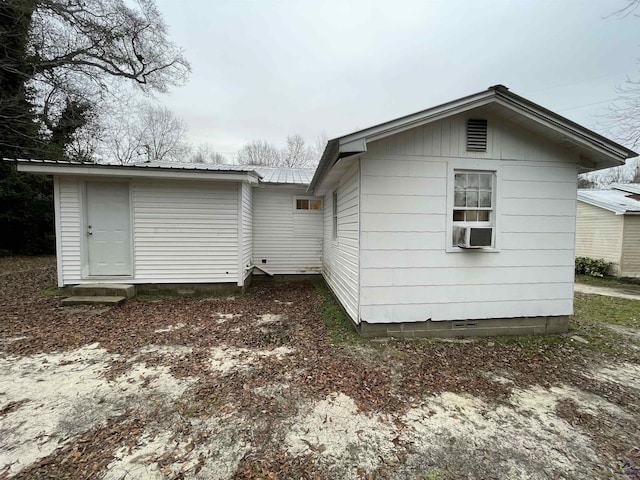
(252, 388)
(60, 395)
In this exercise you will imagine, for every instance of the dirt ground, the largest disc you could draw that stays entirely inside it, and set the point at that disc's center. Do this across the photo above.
(258, 387)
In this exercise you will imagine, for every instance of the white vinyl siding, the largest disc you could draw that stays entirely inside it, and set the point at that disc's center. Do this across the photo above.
(448, 138)
(407, 275)
(599, 234)
(341, 254)
(631, 247)
(185, 232)
(69, 228)
(247, 226)
(290, 241)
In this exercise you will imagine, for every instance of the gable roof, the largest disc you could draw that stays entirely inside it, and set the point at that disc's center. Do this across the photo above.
(596, 151)
(620, 199)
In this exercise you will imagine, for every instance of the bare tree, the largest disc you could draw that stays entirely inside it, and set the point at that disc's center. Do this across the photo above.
(296, 153)
(622, 174)
(259, 152)
(624, 114)
(140, 132)
(204, 153)
(55, 51)
(163, 134)
(586, 182)
(318, 147)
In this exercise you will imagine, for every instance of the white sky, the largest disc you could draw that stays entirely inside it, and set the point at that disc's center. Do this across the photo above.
(263, 69)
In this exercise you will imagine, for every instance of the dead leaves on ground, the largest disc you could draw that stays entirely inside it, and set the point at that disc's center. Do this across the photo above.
(380, 378)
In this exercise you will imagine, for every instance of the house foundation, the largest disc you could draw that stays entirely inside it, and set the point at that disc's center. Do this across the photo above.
(467, 328)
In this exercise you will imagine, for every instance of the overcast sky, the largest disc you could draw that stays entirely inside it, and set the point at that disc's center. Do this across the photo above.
(263, 69)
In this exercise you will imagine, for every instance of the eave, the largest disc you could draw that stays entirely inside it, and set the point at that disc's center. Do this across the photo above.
(50, 167)
(595, 151)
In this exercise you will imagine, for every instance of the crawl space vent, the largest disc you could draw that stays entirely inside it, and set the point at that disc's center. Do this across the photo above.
(476, 135)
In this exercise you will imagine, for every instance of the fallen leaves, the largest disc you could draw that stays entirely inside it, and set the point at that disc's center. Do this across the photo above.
(382, 379)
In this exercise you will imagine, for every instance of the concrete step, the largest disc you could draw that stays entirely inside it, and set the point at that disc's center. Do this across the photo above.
(93, 300)
(104, 290)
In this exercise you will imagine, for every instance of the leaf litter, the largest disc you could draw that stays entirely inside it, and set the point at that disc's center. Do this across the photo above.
(252, 387)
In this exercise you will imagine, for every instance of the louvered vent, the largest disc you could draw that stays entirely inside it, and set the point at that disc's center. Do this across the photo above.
(476, 135)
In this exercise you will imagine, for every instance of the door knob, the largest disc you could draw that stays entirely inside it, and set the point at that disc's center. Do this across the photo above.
(89, 231)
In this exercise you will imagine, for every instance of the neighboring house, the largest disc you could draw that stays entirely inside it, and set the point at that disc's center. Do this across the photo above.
(608, 227)
(456, 220)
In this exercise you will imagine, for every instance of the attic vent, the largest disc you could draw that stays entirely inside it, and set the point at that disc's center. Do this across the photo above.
(476, 135)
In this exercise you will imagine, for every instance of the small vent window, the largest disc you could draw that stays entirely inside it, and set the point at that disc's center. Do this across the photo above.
(476, 135)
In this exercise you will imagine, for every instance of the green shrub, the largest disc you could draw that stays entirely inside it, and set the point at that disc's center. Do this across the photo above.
(594, 268)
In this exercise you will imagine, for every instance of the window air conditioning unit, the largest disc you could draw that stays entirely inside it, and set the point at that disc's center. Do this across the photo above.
(472, 237)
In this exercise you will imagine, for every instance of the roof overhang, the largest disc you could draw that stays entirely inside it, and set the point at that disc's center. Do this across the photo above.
(595, 151)
(606, 204)
(50, 167)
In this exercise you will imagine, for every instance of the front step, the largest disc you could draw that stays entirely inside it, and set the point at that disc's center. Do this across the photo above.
(104, 290)
(93, 300)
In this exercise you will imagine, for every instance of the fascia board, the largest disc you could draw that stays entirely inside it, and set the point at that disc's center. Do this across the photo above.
(417, 119)
(135, 172)
(573, 135)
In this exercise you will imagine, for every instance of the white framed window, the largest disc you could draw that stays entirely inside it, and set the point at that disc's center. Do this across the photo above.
(473, 214)
(335, 215)
(308, 204)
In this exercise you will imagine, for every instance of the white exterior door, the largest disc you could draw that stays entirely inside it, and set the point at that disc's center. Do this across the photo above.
(108, 231)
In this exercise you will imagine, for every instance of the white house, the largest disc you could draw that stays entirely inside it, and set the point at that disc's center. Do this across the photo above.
(608, 227)
(456, 220)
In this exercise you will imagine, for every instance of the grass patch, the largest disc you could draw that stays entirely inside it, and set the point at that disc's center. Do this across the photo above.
(601, 339)
(339, 327)
(52, 292)
(600, 308)
(608, 282)
(592, 312)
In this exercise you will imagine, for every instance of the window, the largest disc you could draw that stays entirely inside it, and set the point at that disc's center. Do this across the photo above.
(472, 197)
(308, 204)
(335, 215)
(473, 206)
(476, 135)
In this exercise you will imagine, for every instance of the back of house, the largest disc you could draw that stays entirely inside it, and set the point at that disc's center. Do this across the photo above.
(456, 220)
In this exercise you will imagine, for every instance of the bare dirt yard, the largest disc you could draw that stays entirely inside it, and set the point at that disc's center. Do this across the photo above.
(273, 384)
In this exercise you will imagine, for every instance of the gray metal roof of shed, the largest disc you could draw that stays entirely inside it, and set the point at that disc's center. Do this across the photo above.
(615, 200)
(271, 175)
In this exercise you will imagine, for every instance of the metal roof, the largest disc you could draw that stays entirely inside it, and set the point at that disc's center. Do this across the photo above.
(272, 175)
(617, 201)
(285, 175)
(194, 166)
(627, 187)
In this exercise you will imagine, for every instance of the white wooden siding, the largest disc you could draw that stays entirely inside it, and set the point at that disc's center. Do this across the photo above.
(290, 241)
(630, 264)
(340, 265)
(448, 138)
(247, 226)
(70, 229)
(407, 274)
(185, 232)
(599, 234)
